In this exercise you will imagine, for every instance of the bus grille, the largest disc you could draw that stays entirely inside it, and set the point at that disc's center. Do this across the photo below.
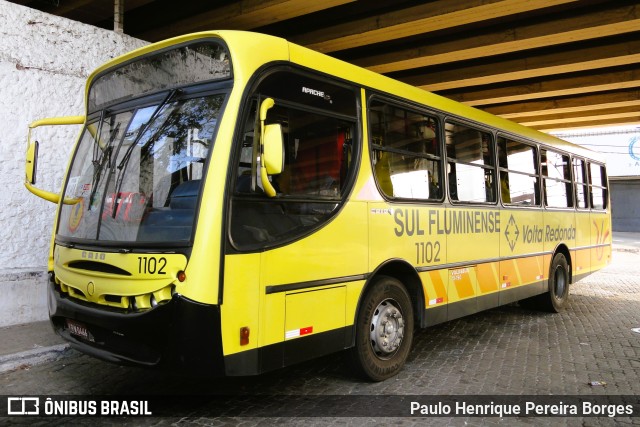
(126, 302)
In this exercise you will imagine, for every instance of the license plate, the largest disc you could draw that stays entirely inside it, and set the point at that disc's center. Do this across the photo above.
(79, 330)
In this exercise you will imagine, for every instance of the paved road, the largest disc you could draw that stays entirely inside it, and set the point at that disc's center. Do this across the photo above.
(505, 351)
(631, 240)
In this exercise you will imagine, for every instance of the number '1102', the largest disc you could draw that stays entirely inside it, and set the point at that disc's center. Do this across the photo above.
(151, 265)
(427, 252)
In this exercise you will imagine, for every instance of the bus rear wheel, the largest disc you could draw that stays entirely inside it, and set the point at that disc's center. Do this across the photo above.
(384, 330)
(556, 298)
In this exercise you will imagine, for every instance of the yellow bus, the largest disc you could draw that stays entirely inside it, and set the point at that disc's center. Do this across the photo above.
(236, 203)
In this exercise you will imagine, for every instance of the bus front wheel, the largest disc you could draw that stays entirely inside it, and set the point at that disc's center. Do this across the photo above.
(384, 330)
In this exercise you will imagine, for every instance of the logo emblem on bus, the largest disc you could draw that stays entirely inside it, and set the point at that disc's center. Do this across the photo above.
(511, 232)
(601, 238)
(91, 288)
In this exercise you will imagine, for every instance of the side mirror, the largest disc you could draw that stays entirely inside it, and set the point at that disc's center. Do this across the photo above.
(273, 156)
(264, 107)
(271, 149)
(31, 163)
(31, 160)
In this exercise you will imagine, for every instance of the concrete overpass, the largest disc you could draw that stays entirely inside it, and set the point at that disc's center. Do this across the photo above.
(548, 64)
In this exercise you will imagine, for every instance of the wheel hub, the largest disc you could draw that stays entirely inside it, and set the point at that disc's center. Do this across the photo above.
(387, 329)
(560, 283)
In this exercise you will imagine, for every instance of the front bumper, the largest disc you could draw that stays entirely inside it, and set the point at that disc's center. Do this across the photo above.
(180, 334)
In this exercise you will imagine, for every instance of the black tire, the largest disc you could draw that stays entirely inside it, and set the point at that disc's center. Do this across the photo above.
(384, 330)
(556, 298)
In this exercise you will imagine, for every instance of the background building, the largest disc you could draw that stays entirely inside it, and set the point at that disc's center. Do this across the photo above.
(621, 146)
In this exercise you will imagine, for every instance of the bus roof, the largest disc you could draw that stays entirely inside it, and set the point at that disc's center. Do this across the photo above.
(328, 65)
(370, 79)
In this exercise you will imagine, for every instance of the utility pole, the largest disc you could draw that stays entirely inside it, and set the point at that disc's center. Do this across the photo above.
(118, 16)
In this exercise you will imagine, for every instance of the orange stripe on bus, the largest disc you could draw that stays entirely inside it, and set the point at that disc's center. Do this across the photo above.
(461, 280)
(487, 278)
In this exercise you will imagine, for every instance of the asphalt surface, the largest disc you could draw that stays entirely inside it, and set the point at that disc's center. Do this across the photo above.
(591, 351)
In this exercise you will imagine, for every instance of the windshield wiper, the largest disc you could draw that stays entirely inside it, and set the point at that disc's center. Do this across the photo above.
(143, 129)
(105, 158)
(127, 155)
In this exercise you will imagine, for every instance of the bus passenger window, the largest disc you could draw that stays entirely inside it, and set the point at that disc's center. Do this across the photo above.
(518, 173)
(505, 193)
(317, 150)
(579, 177)
(406, 152)
(470, 164)
(556, 173)
(597, 186)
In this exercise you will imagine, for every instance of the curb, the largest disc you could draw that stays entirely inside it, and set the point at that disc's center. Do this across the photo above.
(37, 356)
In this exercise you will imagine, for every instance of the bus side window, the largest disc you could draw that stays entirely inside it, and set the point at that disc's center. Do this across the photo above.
(317, 149)
(556, 175)
(471, 164)
(518, 173)
(579, 178)
(505, 194)
(597, 186)
(406, 152)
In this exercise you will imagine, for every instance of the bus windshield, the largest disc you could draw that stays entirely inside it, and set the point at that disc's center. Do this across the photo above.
(137, 173)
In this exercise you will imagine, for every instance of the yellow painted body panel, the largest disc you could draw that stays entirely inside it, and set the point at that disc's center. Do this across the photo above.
(559, 227)
(522, 271)
(511, 248)
(463, 283)
(434, 285)
(488, 278)
(314, 258)
(313, 312)
(582, 255)
(112, 288)
(322, 255)
(601, 238)
(243, 299)
(272, 319)
(407, 232)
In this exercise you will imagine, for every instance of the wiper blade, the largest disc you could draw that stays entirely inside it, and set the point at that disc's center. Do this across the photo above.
(99, 165)
(105, 158)
(144, 128)
(127, 154)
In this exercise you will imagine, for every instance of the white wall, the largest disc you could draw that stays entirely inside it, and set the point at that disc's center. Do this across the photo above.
(619, 145)
(44, 63)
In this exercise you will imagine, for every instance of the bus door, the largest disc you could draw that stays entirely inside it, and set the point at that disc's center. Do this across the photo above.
(304, 245)
(308, 275)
